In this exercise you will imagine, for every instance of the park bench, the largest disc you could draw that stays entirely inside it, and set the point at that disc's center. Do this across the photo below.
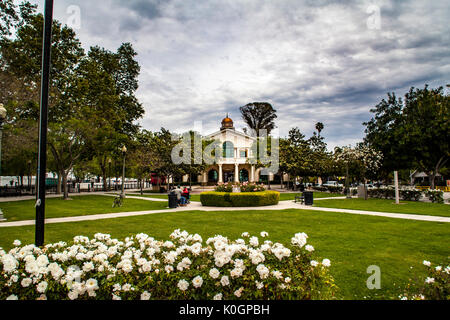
(299, 198)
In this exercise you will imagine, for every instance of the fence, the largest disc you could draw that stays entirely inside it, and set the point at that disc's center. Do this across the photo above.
(17, 191)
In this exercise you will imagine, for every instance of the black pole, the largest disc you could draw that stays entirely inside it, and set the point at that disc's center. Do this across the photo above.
(42, 162)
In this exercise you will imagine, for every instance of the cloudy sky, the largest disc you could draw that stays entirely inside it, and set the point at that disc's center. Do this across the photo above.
(313, 60)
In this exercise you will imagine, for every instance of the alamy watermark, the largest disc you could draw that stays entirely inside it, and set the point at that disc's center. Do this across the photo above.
(374, 20)
(74, 17)
(263, 149)
(374, 281)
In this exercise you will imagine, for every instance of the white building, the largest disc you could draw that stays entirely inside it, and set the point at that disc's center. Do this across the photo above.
(234, 166)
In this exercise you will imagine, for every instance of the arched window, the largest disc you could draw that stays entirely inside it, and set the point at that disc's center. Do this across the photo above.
(213, 176)
(228, 149)
(243, 175)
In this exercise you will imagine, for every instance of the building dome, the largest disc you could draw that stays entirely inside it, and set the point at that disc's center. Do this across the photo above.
(227, 123)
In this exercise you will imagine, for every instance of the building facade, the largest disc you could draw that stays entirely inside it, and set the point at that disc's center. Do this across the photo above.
(234, 165)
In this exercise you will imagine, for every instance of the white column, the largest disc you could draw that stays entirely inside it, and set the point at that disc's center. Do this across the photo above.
(252, 174)
(397, 198)
(220, 174)
(236, 173)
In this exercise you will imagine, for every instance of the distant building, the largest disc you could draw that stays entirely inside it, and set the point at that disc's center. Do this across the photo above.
(234, 165)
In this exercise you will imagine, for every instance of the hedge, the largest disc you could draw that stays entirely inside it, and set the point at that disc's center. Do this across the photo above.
(239, 199)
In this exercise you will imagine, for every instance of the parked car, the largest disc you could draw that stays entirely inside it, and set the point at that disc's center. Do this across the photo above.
(332, 184)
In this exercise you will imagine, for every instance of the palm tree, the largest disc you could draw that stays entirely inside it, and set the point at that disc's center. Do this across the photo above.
(319, 127)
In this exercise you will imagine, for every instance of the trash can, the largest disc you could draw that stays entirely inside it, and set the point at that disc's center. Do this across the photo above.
(309, 198)
(173, 201)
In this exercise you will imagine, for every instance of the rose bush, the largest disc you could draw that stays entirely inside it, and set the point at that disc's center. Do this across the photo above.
(141, 267)
(243, 187)
(436, 285)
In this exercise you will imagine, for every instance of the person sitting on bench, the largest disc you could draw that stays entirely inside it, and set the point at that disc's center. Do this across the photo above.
(186, 195)
(181, 200)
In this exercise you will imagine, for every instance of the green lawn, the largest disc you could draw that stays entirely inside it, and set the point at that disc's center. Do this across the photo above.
(351, 242)
(78, 206)
(383, 205)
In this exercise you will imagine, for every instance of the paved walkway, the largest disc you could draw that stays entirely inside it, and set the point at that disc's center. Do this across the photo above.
(197, 206)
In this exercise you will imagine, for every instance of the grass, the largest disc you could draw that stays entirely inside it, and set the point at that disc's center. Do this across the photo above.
(351, 242)
(78, 206)
(383, 205)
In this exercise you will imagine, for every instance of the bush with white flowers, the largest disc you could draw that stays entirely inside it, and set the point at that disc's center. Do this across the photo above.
(143, 268)
(434, 286)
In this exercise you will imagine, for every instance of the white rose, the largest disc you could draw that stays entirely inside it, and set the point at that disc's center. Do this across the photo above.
(26, 282)
(214, 273)
(183, 285)
(42, 287)
(197, 282)
(326, 262)
(145, 295)
(225, 281)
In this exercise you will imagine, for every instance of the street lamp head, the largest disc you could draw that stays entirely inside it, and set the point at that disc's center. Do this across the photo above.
(109, 160)
(124, 149)
(2, 112)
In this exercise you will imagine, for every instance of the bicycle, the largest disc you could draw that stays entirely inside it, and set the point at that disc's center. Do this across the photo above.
(118, 201)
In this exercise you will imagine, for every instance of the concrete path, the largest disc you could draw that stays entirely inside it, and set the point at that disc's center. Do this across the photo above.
(196, 206)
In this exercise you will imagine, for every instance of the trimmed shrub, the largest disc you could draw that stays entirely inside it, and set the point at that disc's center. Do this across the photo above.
(185, 268)
(239, 199)
(410, 195)
(435, 196)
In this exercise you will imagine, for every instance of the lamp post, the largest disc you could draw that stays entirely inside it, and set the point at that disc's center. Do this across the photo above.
(124, 151)
(29, 175)
(109, 174)
(43, 124)
(2, 119)
(347, 189)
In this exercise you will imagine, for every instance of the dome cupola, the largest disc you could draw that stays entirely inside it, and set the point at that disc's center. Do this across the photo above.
(227, 123)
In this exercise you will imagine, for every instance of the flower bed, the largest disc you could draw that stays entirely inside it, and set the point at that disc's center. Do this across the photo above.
(244, 187)
(141, 267)
(239, 199)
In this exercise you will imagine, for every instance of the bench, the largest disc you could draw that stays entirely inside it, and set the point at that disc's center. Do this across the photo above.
(299, 198)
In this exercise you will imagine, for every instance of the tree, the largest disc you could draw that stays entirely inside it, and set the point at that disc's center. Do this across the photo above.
(164, 143)
(319, 127)
(258, 116)
(144, 156)
(412, 133)
(363, 161)
(12, 15)
(294, 155)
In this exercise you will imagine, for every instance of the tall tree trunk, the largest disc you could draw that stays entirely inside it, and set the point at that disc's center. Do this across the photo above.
(435, 172)
(58, 183)
(281, 180)
(64, 183)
